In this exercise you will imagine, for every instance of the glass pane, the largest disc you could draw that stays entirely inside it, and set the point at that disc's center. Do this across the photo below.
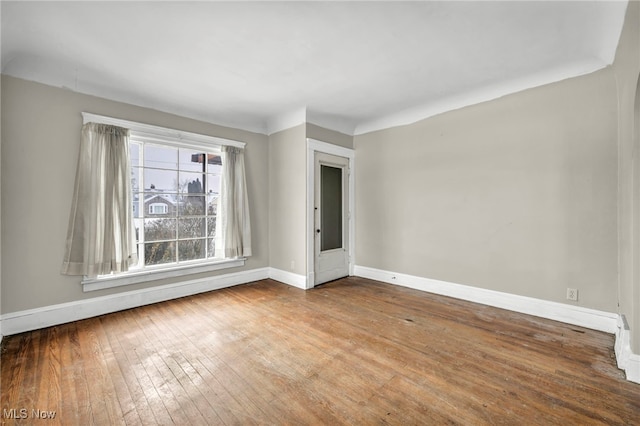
(160, 180)
(138, 204)
(160, 157)
(214, 166)
(191, 249)
(211, 247)
(191, 183)
(191, 228)
(213, 184)
(191, 161)
(192, 205)
(330, 208)
(138, 225)
(134, 153)
(211, 227)
(159, 229)
(212, 204)
(140, 263)
(136, 178)
(157, 253)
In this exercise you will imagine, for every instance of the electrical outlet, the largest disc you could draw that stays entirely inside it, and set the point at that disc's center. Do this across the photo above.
(572, 294)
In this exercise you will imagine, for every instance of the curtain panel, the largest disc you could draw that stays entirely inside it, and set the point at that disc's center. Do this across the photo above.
(234, 229)
(101, 236)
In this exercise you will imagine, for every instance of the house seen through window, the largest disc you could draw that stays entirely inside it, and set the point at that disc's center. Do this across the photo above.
(175, 197)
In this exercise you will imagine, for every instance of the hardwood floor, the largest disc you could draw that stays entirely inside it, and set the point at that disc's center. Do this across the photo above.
(353, 351)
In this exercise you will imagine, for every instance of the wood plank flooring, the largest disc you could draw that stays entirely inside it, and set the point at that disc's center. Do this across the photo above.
(353, 351)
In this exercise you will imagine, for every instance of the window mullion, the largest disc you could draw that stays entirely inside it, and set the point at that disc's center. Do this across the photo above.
(143, 213)
(205, 162)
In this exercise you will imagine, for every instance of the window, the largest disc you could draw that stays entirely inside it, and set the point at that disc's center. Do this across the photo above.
(176, 192)
(155, 209)
(179, 187)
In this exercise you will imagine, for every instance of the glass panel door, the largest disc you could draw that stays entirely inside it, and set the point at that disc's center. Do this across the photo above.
(331, 207)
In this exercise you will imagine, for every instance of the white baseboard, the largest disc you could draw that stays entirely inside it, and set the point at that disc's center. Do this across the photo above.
(632, 368)
(47, 316)
(295, 280)
(626, 359)
(32, 319)
(576, 315)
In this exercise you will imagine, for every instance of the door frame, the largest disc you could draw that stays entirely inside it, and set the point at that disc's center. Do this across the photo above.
(314, 146)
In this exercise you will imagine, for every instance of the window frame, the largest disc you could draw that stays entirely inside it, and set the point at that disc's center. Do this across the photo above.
(178, 195)
(146, 133)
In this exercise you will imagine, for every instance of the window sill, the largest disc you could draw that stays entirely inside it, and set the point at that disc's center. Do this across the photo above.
(136, 277)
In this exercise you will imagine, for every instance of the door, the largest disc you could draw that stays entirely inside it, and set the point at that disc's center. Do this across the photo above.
(331, 217)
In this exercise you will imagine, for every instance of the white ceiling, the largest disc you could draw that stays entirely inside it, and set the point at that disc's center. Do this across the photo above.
(265, 66)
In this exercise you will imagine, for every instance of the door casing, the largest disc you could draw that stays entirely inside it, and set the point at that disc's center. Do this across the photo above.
(331, 262)
(314, 146)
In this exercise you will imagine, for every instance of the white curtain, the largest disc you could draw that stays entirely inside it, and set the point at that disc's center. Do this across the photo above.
(101, 235)
(234, 226)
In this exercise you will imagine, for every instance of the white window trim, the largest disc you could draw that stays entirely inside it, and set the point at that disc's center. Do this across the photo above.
(150, 133)
(150, 274)
(162, 134)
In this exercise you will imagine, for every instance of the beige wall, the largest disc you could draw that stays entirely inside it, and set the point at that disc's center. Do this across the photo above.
(627, 71)
(288, 193)
(516, 195)
(40, 141)
(287, 200)
(330, 136)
